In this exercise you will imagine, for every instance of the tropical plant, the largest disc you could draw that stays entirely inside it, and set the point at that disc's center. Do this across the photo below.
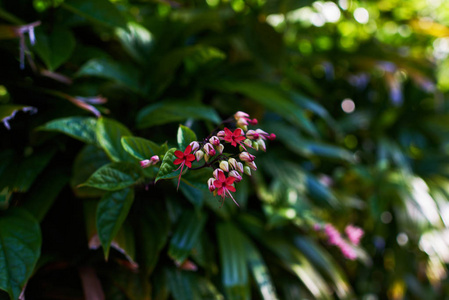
(114, 116)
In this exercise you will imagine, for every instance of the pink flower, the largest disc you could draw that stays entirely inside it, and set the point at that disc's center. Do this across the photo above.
(195, 146)
(234, 137)
(149, 162)
(252, 165)
(334, 237)
(347, 251)
(210, 150)
(354, 234)
(243, 118)
(184, 158)
(224, 186)
(245, 156)
(264, 135)
(214, 141)
(221, 134)
(252, 135)
(210, 184)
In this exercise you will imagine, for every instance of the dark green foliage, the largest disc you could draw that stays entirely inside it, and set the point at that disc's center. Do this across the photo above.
(355, 92)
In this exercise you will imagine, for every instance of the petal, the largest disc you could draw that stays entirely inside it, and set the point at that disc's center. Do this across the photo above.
(221, 176)
(238, 132)
(190, 157)
(231, 188)
(178, 161)
(218, 184)
(230, 180)
(227, 131)
(179, 154)
(220, 191)
(188, 150)
(188, 163)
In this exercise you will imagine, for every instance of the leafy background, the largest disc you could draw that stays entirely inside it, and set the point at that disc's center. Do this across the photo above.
(80, 219)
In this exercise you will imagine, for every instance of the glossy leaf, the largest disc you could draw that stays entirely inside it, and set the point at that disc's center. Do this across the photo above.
(101, 11)
(189, 286)
(186, 235)
(54, 47)
(141, 148)
(109, 133)
(80, 128)
(111, 213)
(136, 40)
(121, 73)
(88, 160)
(114, 176)
(185, 137)
(233, 261)
(168, 112)
(20, 247)
(168, 169)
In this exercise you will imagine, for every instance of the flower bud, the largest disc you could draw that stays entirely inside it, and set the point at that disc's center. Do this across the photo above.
(199, 155)
(224, 165)
(252, 135)
(255, 145)
(214, 141)
(242, 123)
(236, 175)
(195, 146)
(248, 143)
(272, 137)
(241, 114)
(216, 172)
(261, 144)
(247, 171)
(154, 159)
(209, 149)
(253, 121)
(221, 134)
(210, 184)
(252, 165)
(206, 157)
(232, 162)
(239, 167)
(145, 163)
(220, 148)
(245, 156)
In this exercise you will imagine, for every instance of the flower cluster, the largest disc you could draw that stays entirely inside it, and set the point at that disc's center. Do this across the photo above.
(353, 233)
(228, 168)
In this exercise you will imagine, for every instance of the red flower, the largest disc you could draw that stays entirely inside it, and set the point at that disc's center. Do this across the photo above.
(224, 186)
(234, 137)
(185, 158)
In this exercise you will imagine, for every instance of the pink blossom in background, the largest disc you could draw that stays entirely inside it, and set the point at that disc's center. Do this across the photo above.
(334, 237)
(354, 234)
(347, 250)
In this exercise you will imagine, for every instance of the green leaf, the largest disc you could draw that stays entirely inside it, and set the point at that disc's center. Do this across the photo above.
(124, 74)
(233, 261)
(167, 169)
(194, 195)
(114, 176)
(101, 11)
(124, 241)
(174, 111)
(20, 244)
(111, 213)
(80, 128)
(136, 40)
(189, 286)
(109, 133)
(54, 47)
(259, 271)
(88, 160)
(152, 233)
(185, 137)
(272, 98)
(141, 148)
(186, 235)
(41, 196)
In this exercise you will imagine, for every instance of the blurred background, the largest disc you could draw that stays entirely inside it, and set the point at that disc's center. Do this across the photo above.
(355, 91)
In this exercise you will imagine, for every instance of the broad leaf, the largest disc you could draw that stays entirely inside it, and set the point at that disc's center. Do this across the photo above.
(189, 286)
(185, 137)
(186, 235)
(109, 133)
(122, 73)
(111, 213)
(136, 40)
(80, 128)
(54, 47)
(20, 247)
(233, 261)
(141, 148)
(102, 11)
(177, 111)
(168, 169)
(114, 176)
